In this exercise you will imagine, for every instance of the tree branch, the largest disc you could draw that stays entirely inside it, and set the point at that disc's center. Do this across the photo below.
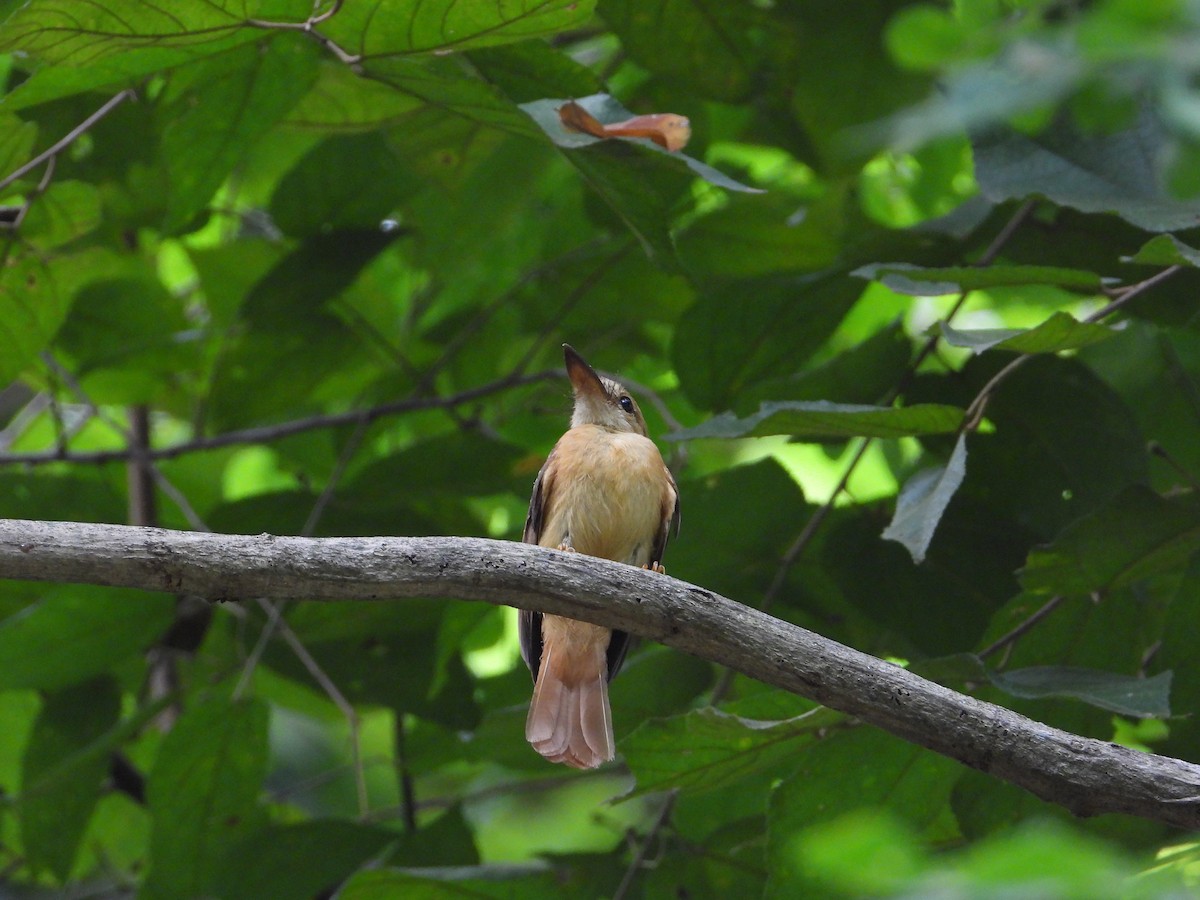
(1084, 775)
(264, 434)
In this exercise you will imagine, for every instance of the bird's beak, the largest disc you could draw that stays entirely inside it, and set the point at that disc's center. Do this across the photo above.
(583, 377)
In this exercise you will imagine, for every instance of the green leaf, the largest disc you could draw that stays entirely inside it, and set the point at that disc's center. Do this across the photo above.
(202, 792)
(1180, 633)
(832, 98)
(445, 87)
(132, 324)
(707, 749)
(500, 881)
(1063, 441)
(656, 682)
(641, 182)
(1059, 332)
(17, 138)
(924, 36)
(819, 419)
(924, 282)
(455, 465)
(64, 33)
(864, 853)
(304, 859)
(308, 859)
(755, 236)
(607, 111)
(1165, 250)
(861, 374)
(293, 341)
(35, 294)
(76, 632)
(351, 181)
(734, 336)
(67, 210)
(60, 782)
(341, 102)
(1135, 535)
(968, 573)
(214, 111)
(1126, 695)
(723, 509)
(922, 501)
(392, 27)
(1117, 172)
(851, 770)
(704, 44)
(530, 70)
(103, 46)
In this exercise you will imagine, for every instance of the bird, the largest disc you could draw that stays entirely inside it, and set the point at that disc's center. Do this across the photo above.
(605, 491)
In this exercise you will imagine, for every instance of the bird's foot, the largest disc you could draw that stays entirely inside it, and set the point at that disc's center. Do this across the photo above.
(566, 548)
(656, 567)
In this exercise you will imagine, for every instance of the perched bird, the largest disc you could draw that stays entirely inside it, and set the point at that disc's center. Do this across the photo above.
(604, 491)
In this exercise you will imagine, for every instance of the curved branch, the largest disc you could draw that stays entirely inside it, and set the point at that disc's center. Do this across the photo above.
(1084, 775)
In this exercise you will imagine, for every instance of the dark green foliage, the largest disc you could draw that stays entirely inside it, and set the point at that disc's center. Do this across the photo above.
(334, 261)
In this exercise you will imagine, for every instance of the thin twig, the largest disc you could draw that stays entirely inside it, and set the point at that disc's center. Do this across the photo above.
(307, 660)
(310, 524)
(306, 25)
(1123, 295)
(590, 280)
(809, 531)
(71, 137)
(639, 858)
(463, 334)
(339, 700)
(267, 433)
(408, 794)
(1154, 448)
(1020, 630)
(353, 60)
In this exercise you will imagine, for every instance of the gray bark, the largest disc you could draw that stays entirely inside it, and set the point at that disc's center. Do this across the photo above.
(1084, 775)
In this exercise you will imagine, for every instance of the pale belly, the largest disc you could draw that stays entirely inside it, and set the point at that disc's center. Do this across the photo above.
(611, 505)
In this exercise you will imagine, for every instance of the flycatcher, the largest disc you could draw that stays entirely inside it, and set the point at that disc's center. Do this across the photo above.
(605, 491)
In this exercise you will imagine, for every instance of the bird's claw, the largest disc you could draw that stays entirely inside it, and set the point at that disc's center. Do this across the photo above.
(656, 567)
(566, 548)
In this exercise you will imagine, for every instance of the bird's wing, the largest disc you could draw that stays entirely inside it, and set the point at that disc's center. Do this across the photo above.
(670, 518)
(529, 623)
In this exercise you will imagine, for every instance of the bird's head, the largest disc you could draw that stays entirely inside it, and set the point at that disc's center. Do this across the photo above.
(600, 401)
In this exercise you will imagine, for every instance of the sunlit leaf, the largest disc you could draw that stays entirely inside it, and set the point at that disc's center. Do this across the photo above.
(820, 419)
(1166, 250)
(1059, 332)
(390, 27)
(908, 279)
(216, 110)
(922, 501)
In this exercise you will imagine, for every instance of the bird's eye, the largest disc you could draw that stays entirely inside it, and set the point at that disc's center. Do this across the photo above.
(626, 404)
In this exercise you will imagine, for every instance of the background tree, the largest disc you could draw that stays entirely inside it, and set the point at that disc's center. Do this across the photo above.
(914, 314)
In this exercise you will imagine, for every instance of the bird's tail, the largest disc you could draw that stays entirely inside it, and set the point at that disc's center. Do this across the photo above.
(569, 717)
